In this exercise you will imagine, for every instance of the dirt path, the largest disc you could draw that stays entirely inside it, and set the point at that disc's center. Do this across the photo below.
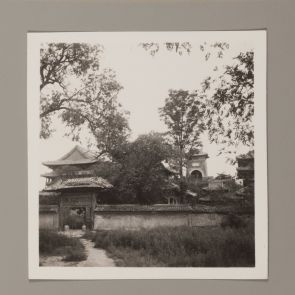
(95, 256)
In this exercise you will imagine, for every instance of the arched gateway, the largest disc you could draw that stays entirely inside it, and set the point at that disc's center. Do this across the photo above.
(72, 187)
(196, 175)
(197, 166)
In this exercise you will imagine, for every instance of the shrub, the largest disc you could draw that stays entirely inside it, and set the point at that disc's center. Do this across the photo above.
(52, 243)
(234, 221)
(89, 235)
(75, 254)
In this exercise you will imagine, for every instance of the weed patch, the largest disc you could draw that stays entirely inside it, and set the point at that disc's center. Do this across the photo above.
(180, 246)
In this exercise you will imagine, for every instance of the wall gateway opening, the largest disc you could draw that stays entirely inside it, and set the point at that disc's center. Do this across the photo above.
(196, 175)
(75, 217)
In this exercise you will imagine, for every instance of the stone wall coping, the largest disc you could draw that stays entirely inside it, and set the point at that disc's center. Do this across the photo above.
(174, 208)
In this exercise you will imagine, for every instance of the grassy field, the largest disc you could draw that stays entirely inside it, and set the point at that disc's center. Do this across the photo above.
(230, 245)
(53, 244)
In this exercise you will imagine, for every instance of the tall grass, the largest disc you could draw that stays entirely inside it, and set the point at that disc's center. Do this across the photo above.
(52, 243)
(180, 246)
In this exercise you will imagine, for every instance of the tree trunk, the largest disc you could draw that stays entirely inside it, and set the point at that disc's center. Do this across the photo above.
(181, 162)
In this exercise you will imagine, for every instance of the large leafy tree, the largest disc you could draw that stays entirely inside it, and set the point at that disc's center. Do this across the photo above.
(183, 114)
(230, 103)
(229, 92)
(59, 60)
(142, 177)
(73, 87)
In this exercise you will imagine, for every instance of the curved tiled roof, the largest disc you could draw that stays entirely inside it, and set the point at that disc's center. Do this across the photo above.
(249, 155)
(61, 173)
(76, 156)
(200, 155)
(88, 182)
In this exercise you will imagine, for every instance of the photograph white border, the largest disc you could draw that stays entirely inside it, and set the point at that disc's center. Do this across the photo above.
(260, 271)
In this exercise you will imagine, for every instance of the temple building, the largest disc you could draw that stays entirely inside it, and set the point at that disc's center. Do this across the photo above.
(71, 190)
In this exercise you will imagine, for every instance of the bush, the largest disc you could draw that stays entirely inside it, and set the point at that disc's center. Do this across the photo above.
(75, 254)
(52, 243)
(233, 221)
(89, 235)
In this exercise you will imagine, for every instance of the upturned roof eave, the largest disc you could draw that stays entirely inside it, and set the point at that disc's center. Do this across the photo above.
(86, 157)
(65, 162)
(56, 189)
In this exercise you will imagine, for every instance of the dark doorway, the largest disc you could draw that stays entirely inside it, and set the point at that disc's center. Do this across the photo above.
(196, 175)
(76, 217)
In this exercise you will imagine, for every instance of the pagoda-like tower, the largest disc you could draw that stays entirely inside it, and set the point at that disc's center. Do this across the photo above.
(245, 169)
(75, 186)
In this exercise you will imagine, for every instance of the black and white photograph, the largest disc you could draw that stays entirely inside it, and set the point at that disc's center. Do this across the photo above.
(147, 155)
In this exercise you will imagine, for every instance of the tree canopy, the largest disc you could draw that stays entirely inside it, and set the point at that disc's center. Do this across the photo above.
(59, 60)
(142, 175)
(230, 103)
(183, 116)
(228, 99)
(73, 87)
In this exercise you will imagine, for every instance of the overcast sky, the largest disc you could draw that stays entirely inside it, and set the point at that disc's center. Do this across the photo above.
(146, 80)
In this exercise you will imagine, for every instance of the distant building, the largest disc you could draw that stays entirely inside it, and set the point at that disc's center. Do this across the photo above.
(245, 169)
(71, 190)
(196, 170)
(172, 195)
(222, 182)
(197, 167)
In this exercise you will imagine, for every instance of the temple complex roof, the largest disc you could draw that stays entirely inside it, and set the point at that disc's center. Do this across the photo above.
(248, 168)
(76, 156)
(85, 182)
(249, 155)
(60, 173)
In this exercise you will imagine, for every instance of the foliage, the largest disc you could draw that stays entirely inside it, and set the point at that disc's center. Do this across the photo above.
(180, 246)
(178, 47)
(142, 178)
(233, 221)
(215, 49)
(183, 115)
(107, 169)
(75, 254)
(58, 60)
(54, 244)
(230, 103)
(73, 87)
(229, 107)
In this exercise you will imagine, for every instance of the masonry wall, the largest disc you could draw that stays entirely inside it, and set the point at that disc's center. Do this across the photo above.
(48, 220)
(127, 220)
